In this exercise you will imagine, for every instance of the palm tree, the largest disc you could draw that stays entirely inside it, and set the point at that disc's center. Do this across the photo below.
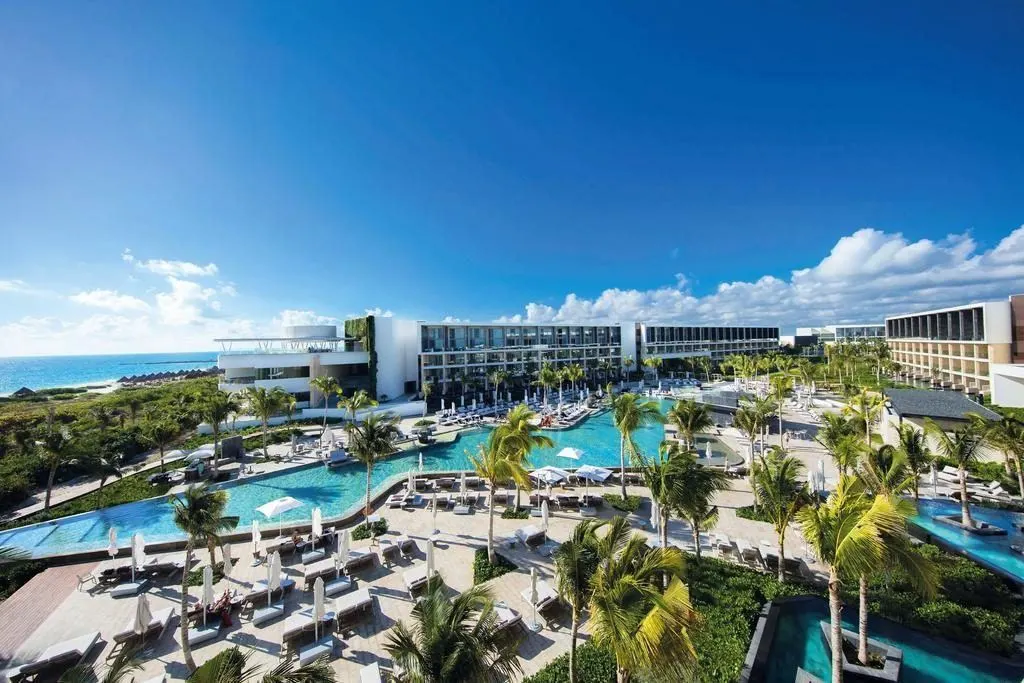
(1008, 436)
(705, 365)
(104, 417)
(264, 403)
(574, 373)
(199, 514)
(428, 389)
(648, 628)
(371, 440)
(358, 401)
(576, 562)
(628, 363)
(782, 494)
(914, 447)
(496, 463)
(547, 378)
(629, 413)
(454, 640)
(215, 409)
(781, 385)
(162, 434)
(698, 486)
(962, 446)
(750, 423)
(117, 671)
(232, 666)
(57, 445)
(520, 435)
(863, 409)
(328, 386)
(690, 418)
(846, 534)
(847, 452)
(664, 476)
(106, 463)
(498, 378)
(288, 402)
(654, 363)
(764, 406)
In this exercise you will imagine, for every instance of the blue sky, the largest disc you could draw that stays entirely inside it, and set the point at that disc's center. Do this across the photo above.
(275, 162)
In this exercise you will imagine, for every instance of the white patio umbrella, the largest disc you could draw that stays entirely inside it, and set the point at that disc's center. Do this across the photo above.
(935, 481)
(138, 553)
(256, 538)
(544, 514)
(433, 511)
(421, 461)
(343, 544)
(198, 455)
(534, 598)
(278, 507)
(821, 474)
(112, 537)
(570, 452)
(430, 562)
(173, 455)
(462, 401)
(273, 575)
(207, 598)
(442, 405)
(462, 486)
(327, 438)
(592, 473)
(549, 475)
(474, 403)
(143, 615)
(318, 606)
(707, 451)
(338, 564)
(410, 482)
(228, 565)
(655, 515)
(318, 525)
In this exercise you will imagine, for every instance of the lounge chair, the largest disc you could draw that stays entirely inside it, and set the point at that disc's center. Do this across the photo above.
(370, 674)
(280, 545)
(416, 578)
(506, 617)
(546, 596)
(311, 572)
(461, 509)
(567, 501)
(88, 577)
(405, 545)
(124, 590)
(321, 648)
(530, 534)
(159, 622)
(167, 568)
(388, 552)
(750, 554)
(352, 603)
(259, 590)
(724, 545)
(358, 557)
(302, 622)
(205, 633)
(57, 658)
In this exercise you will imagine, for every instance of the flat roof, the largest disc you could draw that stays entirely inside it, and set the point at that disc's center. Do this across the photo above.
(947, 309)
(281, 339)
(942, 405)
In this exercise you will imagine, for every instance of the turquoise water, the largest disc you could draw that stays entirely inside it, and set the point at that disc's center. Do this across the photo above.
(991, 550)
(48, 372)
(336, 491)
(798, 641)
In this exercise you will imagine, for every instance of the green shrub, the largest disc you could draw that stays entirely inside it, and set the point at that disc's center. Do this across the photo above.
(512, 513)
(594, 664)
(485, 571)
(14, 575)
(195, 577)
(362, 532)
(630, 504)
(748, 512)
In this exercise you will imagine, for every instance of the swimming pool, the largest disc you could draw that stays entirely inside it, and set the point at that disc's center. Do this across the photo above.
(798, 641)
(338, 492)
(991, 551)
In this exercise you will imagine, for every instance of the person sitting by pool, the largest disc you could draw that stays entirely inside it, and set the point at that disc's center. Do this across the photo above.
(223, 608)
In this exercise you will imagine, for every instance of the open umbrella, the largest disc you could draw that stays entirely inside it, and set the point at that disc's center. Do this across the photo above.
(138, 553)
(256, 538)
(208, 598)
(278, 507)
(570, 452)
(273, 574)
(318, 606)
(592, 473)
(549, 475)
(318, 525)
(226, 552)
(143, 615)
(112, 537)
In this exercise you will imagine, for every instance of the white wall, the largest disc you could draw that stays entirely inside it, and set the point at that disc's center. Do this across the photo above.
(395, 344)
(998, 323)
(1007, 385)
(628, 336)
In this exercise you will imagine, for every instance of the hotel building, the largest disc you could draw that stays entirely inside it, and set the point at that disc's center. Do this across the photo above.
(958, 347)
(670, 341)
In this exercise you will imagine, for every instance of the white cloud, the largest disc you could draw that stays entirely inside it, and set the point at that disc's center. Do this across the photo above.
(379, 312)
(187, 303)
(292, 317)
(866, 276)
(109, 299)
(13, 286)
(170, 268)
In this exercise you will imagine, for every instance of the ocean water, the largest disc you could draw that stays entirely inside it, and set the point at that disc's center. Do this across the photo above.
(47, 372)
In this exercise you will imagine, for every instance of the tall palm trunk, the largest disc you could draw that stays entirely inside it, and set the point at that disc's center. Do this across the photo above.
(49, 485)
(862, 622)
(490, 525)
(782, 556)
(161, 457)
(965, 508)
(696, 539)
(622, 464)
(264, 421)
(835, 608)
(621, 674)
(216, 443)
(573, 629)
(1020, 477)
(186, 650)
(781, 445)
(211, 547)
(369, 473)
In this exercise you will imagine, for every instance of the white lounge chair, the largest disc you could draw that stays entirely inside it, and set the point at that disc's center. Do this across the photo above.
(311, 572)
(204, 634)
(530, 533)
(506, 617)
(357, 557)
(352, 603)
(370, 674)
(546, 596)
(321, 648)
(58, 657)
(405, 545)
(416, 578)
(159, 622)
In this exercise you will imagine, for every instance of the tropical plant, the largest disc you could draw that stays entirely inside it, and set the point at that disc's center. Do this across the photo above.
(846, 534)
(962, 446)
(574, 373)
(847, 452)
(647, 627)
(454, 640)
(697, 487)
(628, 363)
(57, 445)
(496, 463)
(1008, 436)
(356, 402)
(750, 423)
(216, 408)
(288, 403)
(328, 386)
(104, 416)
(264, 403)
(199, 514)
(105, 464)
(520, 435)
(664, 477)
(162, 434)
(498, 377)
(918, 457)
(371, 440)
(836, 428)
(117, 671)
(548, 378)
(777, 480)
(705, 365)
(690, 418)
(781, 387)
(654, 364)
(864, 409)
(576, 561)
(232, 666)
(629, 413)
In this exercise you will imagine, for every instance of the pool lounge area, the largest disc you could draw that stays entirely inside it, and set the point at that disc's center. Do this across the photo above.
(992, 552)
(338, 492)
(794, 639)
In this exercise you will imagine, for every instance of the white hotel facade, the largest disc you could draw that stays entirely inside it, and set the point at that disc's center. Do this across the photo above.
(398, 357)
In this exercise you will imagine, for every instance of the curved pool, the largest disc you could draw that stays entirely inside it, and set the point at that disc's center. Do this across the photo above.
(338, 492)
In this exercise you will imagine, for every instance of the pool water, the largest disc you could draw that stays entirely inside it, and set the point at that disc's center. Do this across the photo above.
(798, 641)
(993, 551)
(339, 491)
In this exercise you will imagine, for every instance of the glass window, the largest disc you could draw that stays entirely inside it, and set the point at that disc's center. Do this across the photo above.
(547, 336)
(476, 337)
(496, 337)
(616, 336)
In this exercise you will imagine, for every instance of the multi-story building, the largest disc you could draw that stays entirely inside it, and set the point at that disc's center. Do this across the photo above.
(454, 354)
(670, 341)
(845, 332)
(953, 347)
